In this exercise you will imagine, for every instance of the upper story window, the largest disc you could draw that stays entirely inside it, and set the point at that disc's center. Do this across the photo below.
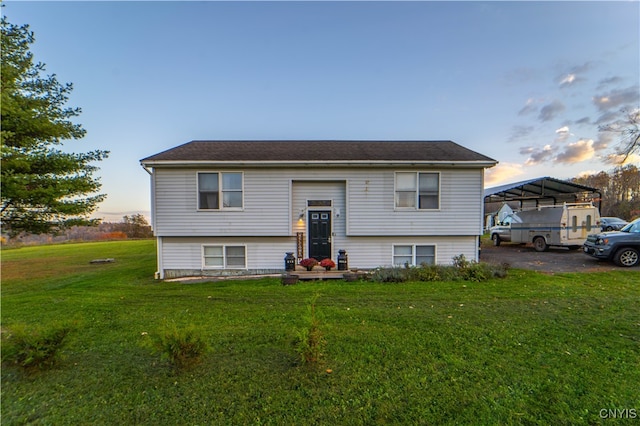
(415, 190)
(220, 191)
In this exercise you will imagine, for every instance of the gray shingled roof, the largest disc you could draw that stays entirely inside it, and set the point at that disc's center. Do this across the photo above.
(316, 150)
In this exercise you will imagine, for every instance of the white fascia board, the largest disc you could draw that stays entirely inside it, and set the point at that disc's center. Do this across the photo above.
(320, 163)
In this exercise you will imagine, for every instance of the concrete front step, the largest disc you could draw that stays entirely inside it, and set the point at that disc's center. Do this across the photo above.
(319, 275)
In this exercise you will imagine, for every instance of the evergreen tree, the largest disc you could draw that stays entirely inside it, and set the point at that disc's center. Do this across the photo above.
(43, 188)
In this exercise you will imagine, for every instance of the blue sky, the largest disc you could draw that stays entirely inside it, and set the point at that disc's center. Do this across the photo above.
(526, 83)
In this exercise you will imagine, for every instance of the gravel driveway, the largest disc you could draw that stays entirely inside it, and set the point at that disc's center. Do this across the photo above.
(554, 260)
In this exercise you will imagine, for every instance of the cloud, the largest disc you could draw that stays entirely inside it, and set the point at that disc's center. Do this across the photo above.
(568, 79)
(537, 155)
(584, 120)
(617, 98)
(574, 152)
(587, 173)
(502, 173)
(617, 121)
(604, 139)
(616, 159)
(577, 152)
(520, 132)
(550, 111)
(608, 82)
(563, 134)
(574, 74)
(527, 150)
(608, 117)
(530, 107)
(581, 69)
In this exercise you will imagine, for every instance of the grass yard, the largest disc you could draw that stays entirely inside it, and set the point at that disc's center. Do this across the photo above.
(527, 349)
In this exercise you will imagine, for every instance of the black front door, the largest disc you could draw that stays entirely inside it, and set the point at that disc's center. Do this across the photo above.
(320, 234)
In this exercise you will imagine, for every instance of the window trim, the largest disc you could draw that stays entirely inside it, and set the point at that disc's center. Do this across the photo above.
(221, 191)
(413, 252)
(416, 206)
(224, 256)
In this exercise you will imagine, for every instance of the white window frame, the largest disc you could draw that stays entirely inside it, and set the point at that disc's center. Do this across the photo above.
(224, 256)
(416, 206)
(413, 253)
(221, 191)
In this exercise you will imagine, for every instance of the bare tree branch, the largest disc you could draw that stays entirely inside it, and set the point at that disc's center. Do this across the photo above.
(629, 130)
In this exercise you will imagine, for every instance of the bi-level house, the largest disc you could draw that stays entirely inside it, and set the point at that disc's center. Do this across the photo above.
(237, 207)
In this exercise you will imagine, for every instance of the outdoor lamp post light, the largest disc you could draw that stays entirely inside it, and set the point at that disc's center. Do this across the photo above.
(343, 263)
(289, 262)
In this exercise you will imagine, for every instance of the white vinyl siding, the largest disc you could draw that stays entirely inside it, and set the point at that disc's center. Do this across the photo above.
(371, 205)
(265, 208)
(267, 253)
(363, 204)
(187, 253)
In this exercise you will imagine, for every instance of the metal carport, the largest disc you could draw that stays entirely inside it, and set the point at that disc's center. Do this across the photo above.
(540, 191)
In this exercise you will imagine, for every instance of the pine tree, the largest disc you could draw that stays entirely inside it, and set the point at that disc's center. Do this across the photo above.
(43, 188)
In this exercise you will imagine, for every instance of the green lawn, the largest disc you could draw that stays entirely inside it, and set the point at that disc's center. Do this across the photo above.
(528, 349)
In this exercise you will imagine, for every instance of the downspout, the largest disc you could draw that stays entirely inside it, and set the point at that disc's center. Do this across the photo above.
(160, 273)
(153, 195)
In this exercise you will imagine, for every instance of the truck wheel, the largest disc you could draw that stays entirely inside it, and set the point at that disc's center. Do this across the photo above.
(627, 257)
(496, 239)
(539, 244)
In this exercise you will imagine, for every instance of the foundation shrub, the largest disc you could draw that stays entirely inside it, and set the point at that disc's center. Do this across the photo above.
(390, 275)
(34, 348)
(461, 269)
(182, 347)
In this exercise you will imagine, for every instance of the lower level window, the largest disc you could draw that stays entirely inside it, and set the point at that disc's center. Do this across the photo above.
(413, 255)
(228, 257)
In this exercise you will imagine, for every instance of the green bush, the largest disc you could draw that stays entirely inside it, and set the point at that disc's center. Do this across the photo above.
(460, 270)
(182, 347)
(390, 275)
(34, 348)
(310, 342)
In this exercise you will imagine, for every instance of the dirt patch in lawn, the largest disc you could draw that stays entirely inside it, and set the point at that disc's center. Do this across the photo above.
(552, 261)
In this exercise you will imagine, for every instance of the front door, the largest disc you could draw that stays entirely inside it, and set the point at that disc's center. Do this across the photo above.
(320, 234)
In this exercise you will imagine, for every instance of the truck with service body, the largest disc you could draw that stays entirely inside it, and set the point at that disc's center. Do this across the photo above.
(564, 225)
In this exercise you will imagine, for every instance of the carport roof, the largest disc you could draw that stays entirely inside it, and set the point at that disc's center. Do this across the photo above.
(544, 187)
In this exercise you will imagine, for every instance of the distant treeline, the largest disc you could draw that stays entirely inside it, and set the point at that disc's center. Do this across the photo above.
(620, 190)
(131, 227)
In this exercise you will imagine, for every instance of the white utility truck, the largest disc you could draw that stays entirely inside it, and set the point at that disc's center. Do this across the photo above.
(563, 225)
